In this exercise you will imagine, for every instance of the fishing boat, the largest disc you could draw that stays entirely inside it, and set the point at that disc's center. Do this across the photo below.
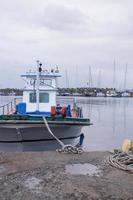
(26, 121)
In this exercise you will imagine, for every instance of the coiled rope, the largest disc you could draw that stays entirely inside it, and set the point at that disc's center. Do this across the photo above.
(122, 160)
(68, 148)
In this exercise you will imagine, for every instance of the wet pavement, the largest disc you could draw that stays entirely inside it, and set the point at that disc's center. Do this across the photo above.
(83, 169)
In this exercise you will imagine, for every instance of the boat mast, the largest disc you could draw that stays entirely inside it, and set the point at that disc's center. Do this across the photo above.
(125, 78)
(90, 77)
(99, 79)
(37, 86)
(67, 80)
(114, 76)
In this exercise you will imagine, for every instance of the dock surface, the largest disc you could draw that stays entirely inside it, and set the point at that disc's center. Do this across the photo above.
(44, 176)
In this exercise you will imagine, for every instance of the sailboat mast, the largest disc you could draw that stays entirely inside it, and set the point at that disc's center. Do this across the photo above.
(67, 81)
(99, 79)
(76, 77)
(37, 86)
(114, 75)
(90, 77)
(125, 78)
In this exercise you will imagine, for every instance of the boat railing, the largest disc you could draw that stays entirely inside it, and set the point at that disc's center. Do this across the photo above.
(10, 107)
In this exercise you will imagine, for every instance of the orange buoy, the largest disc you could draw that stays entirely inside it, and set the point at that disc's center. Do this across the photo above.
(63, 111)
(53, 111)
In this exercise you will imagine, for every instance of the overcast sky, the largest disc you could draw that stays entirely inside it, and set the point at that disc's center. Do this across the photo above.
(73, 34)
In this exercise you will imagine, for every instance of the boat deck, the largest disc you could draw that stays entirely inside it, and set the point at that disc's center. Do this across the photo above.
(29, 119)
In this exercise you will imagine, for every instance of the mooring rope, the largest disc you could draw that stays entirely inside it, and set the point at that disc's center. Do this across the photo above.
(122, 160)
(68, 148)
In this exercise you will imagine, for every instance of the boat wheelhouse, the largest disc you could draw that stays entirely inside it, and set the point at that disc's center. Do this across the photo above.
(39, 94)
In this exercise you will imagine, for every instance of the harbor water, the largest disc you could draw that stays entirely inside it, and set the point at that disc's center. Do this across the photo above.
(111, 118)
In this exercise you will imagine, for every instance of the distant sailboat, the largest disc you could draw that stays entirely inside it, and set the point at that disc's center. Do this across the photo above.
(125, 93)
(99, 93)
(114, 75)
(112, 92)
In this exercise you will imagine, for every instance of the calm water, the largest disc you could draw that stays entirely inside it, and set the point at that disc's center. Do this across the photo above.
(112, 120)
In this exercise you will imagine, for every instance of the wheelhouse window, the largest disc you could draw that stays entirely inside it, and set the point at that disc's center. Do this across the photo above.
(43, 82)
(32, 98)
(46, 82)
(43, 98)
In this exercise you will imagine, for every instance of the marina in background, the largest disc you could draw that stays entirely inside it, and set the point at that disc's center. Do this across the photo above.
(83, 91)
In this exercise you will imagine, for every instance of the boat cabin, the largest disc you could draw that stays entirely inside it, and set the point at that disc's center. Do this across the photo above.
(39, 94)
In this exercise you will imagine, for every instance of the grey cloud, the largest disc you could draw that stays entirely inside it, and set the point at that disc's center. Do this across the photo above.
(66, 32)
(51, 15)
(62, 18)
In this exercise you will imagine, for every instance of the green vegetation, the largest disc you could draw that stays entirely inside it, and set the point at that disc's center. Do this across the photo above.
(83, 90)
(11, 91)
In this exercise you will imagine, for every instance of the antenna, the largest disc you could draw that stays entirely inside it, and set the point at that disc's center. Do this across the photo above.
(37, 85)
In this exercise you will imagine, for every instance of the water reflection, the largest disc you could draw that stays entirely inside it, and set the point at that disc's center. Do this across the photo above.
(124, 114)
(112, 122)
(114, 118)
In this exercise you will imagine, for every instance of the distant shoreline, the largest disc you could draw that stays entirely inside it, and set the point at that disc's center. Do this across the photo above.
(76, 92)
